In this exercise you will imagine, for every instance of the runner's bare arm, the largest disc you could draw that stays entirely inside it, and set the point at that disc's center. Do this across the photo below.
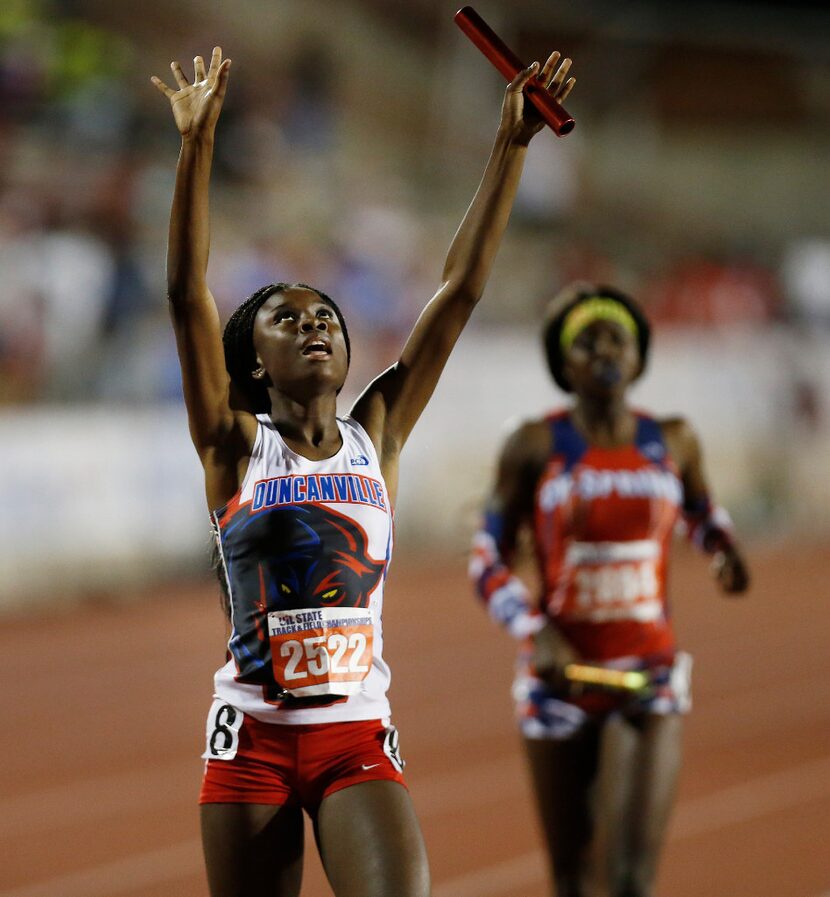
(709, 525)
(393, 403)
(510, 508)
(221, 435)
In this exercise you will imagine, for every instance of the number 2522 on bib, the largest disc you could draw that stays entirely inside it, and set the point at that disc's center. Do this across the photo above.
(322, 650)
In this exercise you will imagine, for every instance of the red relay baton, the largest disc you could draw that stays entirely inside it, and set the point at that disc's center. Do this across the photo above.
(506, 61)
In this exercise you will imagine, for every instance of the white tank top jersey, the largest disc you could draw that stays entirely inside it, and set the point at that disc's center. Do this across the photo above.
(304, 548)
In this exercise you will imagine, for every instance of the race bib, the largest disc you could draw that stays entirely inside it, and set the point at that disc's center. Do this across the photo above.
(613, 581)
(321, 651)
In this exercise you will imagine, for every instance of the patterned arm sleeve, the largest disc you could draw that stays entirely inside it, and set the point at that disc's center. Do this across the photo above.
(506, 597)
(708, 525)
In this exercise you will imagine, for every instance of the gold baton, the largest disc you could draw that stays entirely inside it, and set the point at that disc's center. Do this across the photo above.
(624, 680)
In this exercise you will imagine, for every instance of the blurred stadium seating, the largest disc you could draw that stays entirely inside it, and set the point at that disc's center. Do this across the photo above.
(351, 140)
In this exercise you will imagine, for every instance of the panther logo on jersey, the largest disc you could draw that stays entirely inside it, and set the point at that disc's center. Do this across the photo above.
(291, 557)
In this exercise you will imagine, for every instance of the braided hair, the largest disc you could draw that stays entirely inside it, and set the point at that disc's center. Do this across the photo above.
(238, 342)
(564, 302)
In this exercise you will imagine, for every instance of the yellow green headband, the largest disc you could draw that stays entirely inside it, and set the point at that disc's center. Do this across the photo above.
(597, 308)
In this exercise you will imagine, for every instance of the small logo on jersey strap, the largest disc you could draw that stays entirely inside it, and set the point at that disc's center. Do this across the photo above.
(369, 765)
(359, 461)
(654, 450)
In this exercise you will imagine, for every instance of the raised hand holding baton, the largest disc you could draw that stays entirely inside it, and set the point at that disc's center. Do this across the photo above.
(506, 61)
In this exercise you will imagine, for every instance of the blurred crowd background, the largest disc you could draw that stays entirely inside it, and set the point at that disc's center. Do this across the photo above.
(353, 136)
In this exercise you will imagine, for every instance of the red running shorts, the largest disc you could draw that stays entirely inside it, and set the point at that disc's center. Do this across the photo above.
(252, 762)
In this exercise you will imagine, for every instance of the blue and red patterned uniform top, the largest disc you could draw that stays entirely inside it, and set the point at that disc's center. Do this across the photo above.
(603, 521)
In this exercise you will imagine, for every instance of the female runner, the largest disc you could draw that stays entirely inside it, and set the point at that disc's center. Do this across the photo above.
(301, 505)
(600, 487)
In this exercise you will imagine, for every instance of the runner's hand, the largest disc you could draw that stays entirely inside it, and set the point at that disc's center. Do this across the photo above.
(551, 654)
(196, 106)
(518, 115)
(730, 571)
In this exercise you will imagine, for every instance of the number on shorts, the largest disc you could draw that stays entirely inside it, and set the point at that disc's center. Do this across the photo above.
(224, 722)
(392, 748)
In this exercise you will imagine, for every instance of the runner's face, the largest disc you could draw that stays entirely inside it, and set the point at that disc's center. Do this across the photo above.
(299, 342)
(603, 360)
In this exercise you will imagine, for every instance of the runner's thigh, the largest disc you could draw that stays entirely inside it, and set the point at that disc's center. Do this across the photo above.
(563, 773)
(654, 784)
(370, 842)
(252, 850)
(638, 775)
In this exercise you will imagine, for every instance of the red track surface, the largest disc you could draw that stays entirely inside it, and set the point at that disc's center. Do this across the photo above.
(104, 711)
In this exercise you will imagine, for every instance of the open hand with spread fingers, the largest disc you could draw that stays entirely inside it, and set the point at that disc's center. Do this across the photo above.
(196, 106)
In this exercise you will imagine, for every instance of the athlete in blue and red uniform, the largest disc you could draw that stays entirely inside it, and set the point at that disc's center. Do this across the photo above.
(600, 487)
(301, 504)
